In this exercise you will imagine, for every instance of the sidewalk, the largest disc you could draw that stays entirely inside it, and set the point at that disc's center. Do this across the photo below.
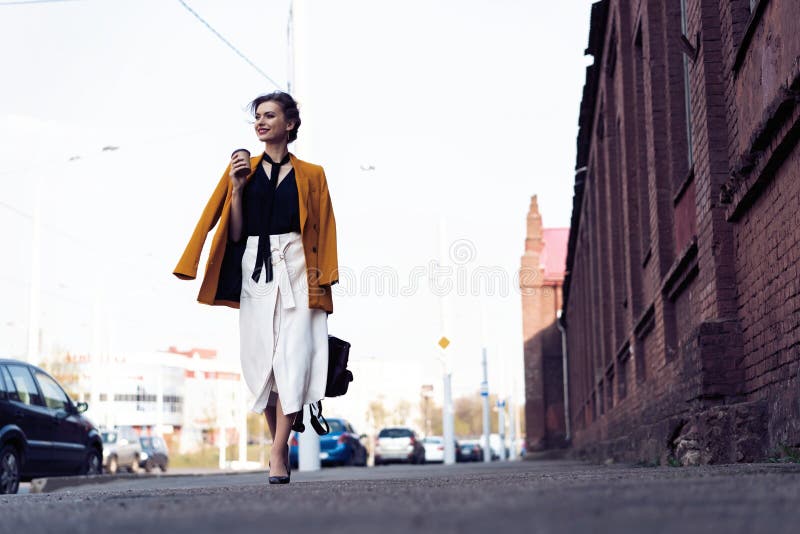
(527, 497)
(51, 484)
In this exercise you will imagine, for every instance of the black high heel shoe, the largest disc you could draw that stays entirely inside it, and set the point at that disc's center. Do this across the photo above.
(281, 479)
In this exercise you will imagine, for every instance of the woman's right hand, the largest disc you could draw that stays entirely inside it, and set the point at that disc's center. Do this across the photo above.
(238, 163)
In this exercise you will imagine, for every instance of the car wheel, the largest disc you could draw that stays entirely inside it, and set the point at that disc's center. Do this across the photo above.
(93, 464)
(148, 466)
(113, 466)
(134, 468)
(9, 469)
(163, 467)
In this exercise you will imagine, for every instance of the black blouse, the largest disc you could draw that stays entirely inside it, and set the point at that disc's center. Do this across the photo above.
(281, 217)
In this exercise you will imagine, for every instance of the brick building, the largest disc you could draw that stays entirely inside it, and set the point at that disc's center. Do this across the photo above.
(682, 294)
(541, 279)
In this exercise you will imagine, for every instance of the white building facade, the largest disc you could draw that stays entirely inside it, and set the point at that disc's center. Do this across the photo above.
(186, 396)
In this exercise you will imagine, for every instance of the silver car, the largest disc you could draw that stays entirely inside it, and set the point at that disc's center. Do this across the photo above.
(121, 449)
(398, 444)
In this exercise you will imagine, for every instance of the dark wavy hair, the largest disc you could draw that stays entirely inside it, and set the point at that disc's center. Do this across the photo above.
(287, 104)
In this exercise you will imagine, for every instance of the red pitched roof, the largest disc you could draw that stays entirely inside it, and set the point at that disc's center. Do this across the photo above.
(205, 354)
(554, 254)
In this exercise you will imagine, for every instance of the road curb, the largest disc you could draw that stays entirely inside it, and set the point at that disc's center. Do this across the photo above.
(51, 484)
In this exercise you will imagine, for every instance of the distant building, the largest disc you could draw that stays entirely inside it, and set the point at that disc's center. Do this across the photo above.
(682, 296)
(186, 396)
(541, 279)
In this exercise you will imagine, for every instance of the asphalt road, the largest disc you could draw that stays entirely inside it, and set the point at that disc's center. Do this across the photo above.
(507, 497)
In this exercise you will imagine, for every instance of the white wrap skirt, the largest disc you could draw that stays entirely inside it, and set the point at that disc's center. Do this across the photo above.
(283, 343)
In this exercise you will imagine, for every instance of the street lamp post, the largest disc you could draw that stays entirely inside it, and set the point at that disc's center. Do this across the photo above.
(34, 309)
(447, 422)
(501, 426)
(487, 452)
(447, 406)
(308, 441)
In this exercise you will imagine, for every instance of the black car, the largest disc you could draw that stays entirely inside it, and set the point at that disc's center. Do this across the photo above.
(469, 450)
(42, 432)
(154, 454)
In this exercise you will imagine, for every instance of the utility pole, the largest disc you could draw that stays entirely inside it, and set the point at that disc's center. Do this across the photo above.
(34, 308)
(308, 441)
(487, 451)
(447, 422)
(448, 430)
(487, 427)
(501, 426)
(512, 428)
(223, 441)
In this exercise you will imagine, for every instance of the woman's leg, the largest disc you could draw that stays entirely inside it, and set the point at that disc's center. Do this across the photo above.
(269, 415)
(279, 456)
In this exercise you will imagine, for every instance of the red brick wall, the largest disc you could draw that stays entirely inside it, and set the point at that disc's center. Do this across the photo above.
(765, 225)
(682, 295)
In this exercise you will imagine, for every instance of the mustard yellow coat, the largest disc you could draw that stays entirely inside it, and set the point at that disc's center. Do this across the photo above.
(222, 282)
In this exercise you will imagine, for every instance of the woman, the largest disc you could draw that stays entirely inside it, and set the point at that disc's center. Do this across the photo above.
(274, 257)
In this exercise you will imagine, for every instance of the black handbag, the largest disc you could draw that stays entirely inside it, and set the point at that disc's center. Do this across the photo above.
(339, 378)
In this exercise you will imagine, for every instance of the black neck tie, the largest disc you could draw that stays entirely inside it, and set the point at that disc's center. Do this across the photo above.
(263, 256)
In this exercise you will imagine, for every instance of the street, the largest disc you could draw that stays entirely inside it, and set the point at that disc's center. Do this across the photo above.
(525, 496)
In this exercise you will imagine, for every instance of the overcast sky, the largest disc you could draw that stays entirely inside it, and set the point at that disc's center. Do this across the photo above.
(465, 108)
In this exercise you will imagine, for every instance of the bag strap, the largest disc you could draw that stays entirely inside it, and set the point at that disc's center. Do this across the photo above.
(315, 419)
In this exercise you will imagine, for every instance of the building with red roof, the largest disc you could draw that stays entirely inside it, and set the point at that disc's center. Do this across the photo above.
(541, 280)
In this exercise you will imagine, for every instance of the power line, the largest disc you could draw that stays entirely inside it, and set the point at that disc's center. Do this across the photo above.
(228, 43)
(21, 2)
(16, 210)
(88, 247)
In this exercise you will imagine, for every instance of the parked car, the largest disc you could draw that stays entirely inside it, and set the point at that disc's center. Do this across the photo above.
(42, 431)
(121, 450)
(154, 454)
(434, 449)
(342, 446)
(469, 450)
(398, 444)
(495, 446)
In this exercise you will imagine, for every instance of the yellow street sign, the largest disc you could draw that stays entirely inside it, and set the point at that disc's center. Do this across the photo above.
(444, 342)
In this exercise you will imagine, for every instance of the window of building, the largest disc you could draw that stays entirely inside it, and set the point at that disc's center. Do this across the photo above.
(611, 57)
(643, 181)
(687, 92)
(610, 390)
(622, 370)
(600, 393)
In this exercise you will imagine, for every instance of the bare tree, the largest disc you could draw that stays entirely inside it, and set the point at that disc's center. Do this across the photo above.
(377, 414)
(430, 419)
(402, 411)
(469, 415)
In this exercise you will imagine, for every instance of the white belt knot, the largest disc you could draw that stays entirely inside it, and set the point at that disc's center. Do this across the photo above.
(281, 276)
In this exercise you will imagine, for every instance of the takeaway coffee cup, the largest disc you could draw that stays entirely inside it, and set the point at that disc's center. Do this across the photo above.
(245, 154)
